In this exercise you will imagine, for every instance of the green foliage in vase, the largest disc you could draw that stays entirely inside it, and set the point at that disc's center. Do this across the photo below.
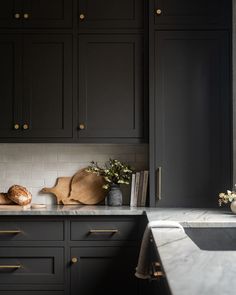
(114, 172)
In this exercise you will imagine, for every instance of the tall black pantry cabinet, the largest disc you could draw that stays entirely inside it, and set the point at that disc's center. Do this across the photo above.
(190, 102)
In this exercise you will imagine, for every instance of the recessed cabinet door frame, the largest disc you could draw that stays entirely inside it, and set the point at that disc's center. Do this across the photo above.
(48, 14)
(111, 86)
(202, 13)
(192, 121)
(10, 87)
(102, 269)
(11, 13)
(47, 102)
(110, 14)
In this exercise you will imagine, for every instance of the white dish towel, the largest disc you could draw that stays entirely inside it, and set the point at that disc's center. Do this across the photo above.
(144, 262)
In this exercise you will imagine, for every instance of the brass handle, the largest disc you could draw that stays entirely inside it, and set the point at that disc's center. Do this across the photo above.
(10, 266)
(81, 126)
(157, 264)
(25, 126)
(158, 12)
(158, 274)
(81, 16)
(74, 259)
(26, 15)
(9, 232)
(17, 15)
(16, 126)
(103, 231)
(159, 183)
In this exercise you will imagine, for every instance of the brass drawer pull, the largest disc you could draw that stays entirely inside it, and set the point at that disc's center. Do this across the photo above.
(9, 232)
(103, 231)
(158, 12)
(10, 266)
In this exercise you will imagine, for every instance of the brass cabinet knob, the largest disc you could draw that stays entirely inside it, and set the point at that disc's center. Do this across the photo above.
(74, 259)
(17, 15)
(26, 15)
(157, 264)
(158, 12)
(81, 16)
(16, 126)
(25, 126)
(81, 126)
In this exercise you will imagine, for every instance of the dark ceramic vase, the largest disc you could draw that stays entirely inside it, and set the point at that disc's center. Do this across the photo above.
(114, 197)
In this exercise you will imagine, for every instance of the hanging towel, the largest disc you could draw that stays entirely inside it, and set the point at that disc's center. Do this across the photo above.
(143, 269)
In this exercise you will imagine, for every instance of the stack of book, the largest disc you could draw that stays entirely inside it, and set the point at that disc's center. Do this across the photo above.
(139, 187)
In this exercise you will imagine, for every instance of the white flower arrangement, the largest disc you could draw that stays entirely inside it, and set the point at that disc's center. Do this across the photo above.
(227, 197)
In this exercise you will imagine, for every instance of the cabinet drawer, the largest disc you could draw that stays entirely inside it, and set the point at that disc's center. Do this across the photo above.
(31, 230)
(31, 265)
(104, 229)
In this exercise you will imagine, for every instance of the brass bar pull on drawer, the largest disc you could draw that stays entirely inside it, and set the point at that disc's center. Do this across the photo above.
(9, 232)
(103, 231)
(10, 266)
(159, 183)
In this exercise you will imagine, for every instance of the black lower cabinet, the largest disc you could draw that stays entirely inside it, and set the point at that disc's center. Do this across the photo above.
(44, 256)
(104, 269)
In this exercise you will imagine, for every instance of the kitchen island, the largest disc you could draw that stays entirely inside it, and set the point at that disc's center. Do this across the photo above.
(190, 268)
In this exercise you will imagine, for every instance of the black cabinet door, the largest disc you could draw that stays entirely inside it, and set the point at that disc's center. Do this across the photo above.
(111, 86)
(47, 102)
(104, 270)
(10, 86)
(110, 14)
(10, 13)
(201, 13)
(192, 117)
(44, 13)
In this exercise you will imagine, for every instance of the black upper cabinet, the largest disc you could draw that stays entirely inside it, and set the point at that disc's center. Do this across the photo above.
(202, 13)
(110, 86)
(49, 14)
(10, 88)
(47, 100)
(109, 14)
(36, 103)
(35, 13)
(192, 118)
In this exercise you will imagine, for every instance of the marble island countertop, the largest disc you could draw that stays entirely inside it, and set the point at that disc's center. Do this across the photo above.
(189, 269)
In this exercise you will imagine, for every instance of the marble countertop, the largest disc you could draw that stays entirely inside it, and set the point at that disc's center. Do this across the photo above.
(189, 270)
(72, 210)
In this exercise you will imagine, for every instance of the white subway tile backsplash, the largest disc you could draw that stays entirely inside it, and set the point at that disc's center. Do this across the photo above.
(39, 165)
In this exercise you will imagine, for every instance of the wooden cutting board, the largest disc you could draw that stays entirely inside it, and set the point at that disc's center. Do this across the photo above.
(87, 188)
(61, 190)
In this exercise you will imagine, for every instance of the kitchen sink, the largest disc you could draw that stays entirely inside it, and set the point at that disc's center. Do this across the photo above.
(213, 239)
